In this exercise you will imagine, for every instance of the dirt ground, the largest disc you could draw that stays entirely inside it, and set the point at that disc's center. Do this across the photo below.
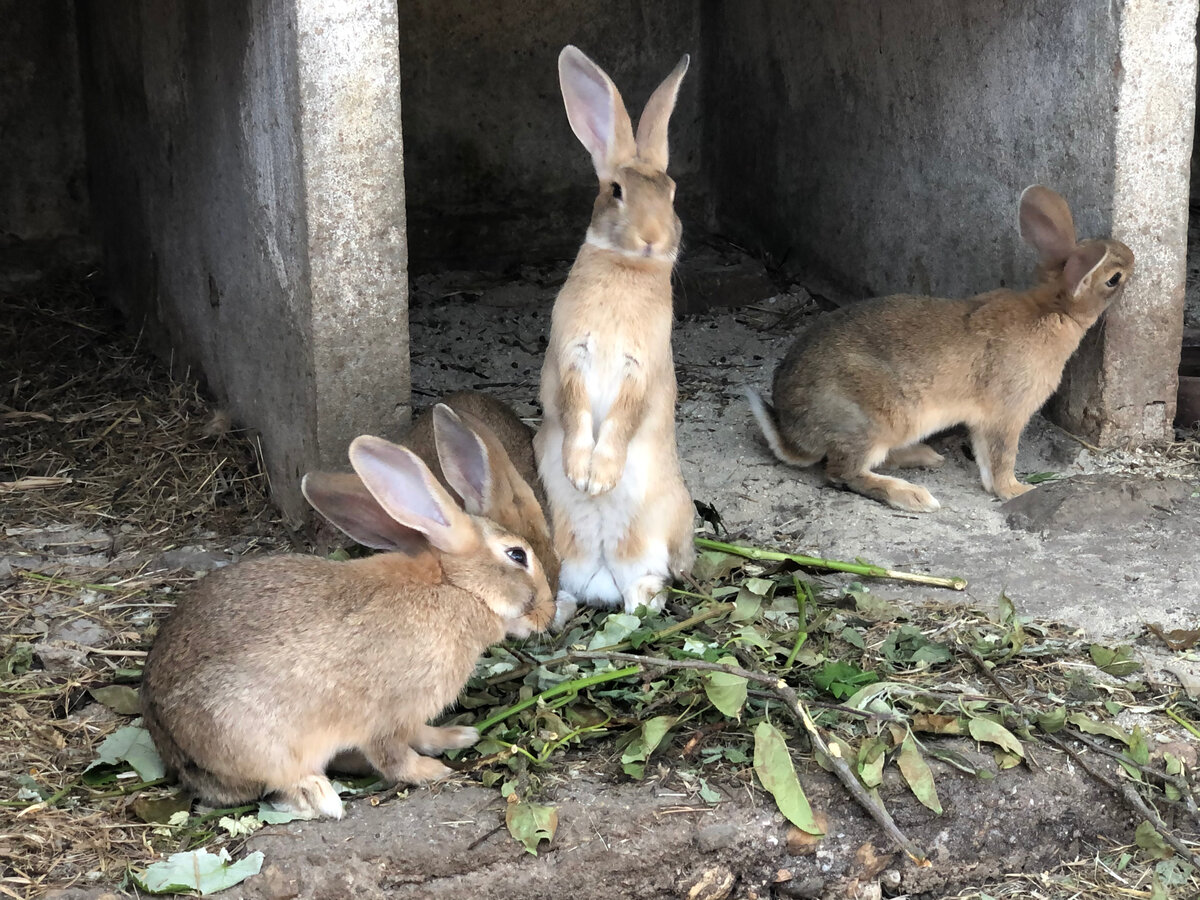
(1109, 546)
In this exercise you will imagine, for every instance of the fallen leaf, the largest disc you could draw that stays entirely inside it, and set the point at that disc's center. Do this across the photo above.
(645, 743)
(132, 745)
(1117, 661)
(871, 861)
(1146, 837)
(119, 698)
(987, 730)
(531, 823)
(198, 870)
(617, 627)
(1187, 677)
(773, 765)
(1176, 639)
(918, 775)
(725, 691)
(937, 724)
(1083, 723)
(801, 843)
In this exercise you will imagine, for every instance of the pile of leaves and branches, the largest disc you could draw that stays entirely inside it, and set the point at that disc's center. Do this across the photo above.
(758, 664)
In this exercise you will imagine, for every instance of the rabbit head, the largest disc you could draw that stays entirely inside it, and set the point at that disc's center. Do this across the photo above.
(634, 213)
(393, 502)
(1093, 273)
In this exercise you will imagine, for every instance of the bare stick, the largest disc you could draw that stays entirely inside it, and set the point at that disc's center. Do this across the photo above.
(791, 701)
(866, 570)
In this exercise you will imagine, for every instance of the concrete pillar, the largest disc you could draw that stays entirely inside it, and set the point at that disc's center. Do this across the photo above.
(1123, 382)
(885, 145)
(246, 172)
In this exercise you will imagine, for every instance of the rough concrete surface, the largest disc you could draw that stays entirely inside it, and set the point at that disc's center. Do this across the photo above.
(494, 173)
(43, 183)
(246, 173)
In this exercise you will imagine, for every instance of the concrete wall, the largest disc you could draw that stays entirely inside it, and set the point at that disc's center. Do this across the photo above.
(246, 172)
(495, 175)
(43, 190)
(885, 145)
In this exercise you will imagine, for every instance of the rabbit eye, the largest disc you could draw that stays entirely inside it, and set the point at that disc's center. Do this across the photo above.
(1114, 281)
(616, 191)
(517, 555)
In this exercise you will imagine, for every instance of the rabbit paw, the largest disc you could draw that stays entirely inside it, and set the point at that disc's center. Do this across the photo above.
(648, 591)
(312, 796)
(454, 737)
(577, 465)
(913, 497)
(1013, 489)
(423, 769)
(564, 609)
(605, 472)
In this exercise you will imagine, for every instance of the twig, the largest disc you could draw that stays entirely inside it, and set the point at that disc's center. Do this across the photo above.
(67, 582)
(1125, 792)
(483, 837)
(792, 702)
(866, 570)
(1180, 784)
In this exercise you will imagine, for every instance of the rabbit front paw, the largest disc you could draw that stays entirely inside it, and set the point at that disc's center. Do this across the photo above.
(605, 472)
(1012, 489)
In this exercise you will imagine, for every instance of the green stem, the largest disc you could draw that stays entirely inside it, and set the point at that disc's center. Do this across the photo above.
(866, 570)
(1182, 721)
(67, 582)
(567, 687)
(803, 598)
(130, 788)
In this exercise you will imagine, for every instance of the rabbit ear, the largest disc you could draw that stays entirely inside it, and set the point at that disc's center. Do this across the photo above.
(1081, 264)
(344, 500)
(464, 459)
(596, 112)
(1046, 224)
(652, 126)
(409, 493)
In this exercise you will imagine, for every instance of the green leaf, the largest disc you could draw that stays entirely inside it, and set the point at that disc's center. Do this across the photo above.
(531, 823)
(119, 698)
(853, 637)
(773, 765)
(270, 814)
(987, 730)
(725, 691)
(649, 736)
(876, 608)
(617, 627)
(18, 660)
(1041, 477)
(708, 795)
(842, 678)
(131, 744)
(871, 758)
(713, 565)
(908, 646)
(1083, 723)
(1052, 722)
(198, 870)
(1146, 837)
(918, 775)
(1117, 661)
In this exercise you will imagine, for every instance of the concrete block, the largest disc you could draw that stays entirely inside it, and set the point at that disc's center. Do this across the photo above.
(885, 146)
(247, 176)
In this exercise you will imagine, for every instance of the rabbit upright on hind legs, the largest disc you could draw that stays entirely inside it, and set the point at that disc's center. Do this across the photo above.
(621, 514)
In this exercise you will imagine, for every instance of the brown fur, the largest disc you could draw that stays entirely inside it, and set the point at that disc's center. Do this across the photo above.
(865, 384)
(608, 379)
(518, 501)
(268, 669)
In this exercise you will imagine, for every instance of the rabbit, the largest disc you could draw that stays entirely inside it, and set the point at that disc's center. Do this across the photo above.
(864, 385)
(620, 511)
(514, 498)
(270, 667)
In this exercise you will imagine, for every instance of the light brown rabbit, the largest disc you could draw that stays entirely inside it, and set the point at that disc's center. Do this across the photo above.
(864, 385)
(270, 668)
(621, 514)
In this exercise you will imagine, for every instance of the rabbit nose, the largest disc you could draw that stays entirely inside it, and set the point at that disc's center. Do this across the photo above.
(648, 250)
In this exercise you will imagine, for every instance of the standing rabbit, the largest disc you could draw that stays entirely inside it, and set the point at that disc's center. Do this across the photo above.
(864, 385)
(270, 668)
(621, 513)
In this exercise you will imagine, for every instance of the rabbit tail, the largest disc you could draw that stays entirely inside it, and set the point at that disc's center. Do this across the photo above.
(768, 422)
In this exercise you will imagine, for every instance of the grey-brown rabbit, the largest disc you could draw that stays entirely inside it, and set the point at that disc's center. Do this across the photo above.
(863, 386)
(268, 669)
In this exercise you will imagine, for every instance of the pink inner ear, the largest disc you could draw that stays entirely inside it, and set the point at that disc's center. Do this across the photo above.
(399, 481)
(589, 106)
(344, 500)
(464, 459)
(1080, 263)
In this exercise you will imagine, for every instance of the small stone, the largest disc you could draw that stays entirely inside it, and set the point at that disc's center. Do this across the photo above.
(717, 837)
